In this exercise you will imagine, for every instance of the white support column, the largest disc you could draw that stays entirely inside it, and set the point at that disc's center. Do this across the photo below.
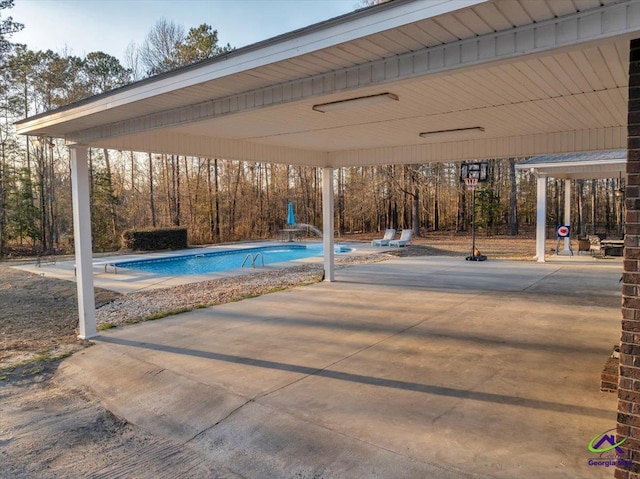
(82, 242)
(327, 222)
(541, 217)
(567, 213)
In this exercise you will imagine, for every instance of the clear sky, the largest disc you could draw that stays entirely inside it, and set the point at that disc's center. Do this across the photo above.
(83, 26)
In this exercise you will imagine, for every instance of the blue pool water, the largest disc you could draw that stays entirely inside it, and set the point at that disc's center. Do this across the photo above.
(202, 263)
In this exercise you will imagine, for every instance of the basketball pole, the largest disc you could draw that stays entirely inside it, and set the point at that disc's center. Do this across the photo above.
(472, 174)
(472, 184)
(473, 222)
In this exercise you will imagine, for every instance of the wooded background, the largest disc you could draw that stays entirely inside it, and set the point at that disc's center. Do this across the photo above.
(221, 200)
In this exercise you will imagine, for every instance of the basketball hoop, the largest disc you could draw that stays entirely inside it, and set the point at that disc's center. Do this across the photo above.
(471, 183)
(472, 174)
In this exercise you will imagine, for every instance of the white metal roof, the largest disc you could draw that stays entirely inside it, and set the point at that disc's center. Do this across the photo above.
(585, 165)
(539, 77)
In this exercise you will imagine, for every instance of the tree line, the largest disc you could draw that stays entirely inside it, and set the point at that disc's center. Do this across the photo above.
(218, 199)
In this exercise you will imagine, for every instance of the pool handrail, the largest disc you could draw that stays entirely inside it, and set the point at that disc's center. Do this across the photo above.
(245, 260)
(253, 259)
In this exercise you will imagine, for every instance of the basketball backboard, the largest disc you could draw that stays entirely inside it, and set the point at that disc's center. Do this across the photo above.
(479, 170)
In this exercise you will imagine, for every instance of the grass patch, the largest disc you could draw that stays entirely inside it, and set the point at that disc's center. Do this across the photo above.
(32, 372)
(241, 297)
(43, 355)
(46, 356)
(6, 372)
(105, 326)
(41, 362)
(255, 294)
(164, 314)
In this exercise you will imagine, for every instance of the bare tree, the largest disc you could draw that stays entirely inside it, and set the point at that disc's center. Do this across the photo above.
(133, 62)
(158, 51)
(369, 3)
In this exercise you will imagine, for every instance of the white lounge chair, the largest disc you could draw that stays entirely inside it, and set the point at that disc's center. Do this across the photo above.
(388, 236)
(405, 239)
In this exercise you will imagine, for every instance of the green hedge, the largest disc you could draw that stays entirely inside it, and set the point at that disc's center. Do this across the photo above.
(150, 240)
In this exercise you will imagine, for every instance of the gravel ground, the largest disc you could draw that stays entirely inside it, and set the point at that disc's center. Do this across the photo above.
(135, 307)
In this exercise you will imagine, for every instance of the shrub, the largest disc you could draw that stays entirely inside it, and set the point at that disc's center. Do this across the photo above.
(150, 240)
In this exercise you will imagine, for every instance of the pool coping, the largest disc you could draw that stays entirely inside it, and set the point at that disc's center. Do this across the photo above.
(200, 252)
(129, 281)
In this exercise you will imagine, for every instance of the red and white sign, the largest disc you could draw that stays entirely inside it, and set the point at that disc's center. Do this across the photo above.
(562, 231)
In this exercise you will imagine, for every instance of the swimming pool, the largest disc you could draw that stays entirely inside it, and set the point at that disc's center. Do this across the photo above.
(202, 263)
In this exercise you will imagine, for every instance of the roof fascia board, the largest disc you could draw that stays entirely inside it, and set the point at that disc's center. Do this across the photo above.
(278, 50)
(540, 38)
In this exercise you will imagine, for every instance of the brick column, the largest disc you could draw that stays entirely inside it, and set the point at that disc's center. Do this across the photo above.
(629, 382)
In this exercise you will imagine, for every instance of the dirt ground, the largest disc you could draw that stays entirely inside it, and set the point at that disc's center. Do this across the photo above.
(38, 316)
(521, 248)
(47, 431)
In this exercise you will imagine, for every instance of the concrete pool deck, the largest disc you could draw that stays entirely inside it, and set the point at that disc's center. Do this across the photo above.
(418, 367)
(129, 281)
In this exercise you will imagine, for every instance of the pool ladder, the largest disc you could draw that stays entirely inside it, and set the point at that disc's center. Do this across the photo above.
(254, 259)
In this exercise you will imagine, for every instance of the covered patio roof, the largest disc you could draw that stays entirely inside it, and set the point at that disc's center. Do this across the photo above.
(578, 166)
(567, 167)
(407, 81)
(511, 77)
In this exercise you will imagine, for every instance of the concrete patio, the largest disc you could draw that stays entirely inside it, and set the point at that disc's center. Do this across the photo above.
(419, 367)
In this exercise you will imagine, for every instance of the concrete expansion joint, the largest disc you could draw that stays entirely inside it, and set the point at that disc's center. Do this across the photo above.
(209, 428)
(542, 279)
